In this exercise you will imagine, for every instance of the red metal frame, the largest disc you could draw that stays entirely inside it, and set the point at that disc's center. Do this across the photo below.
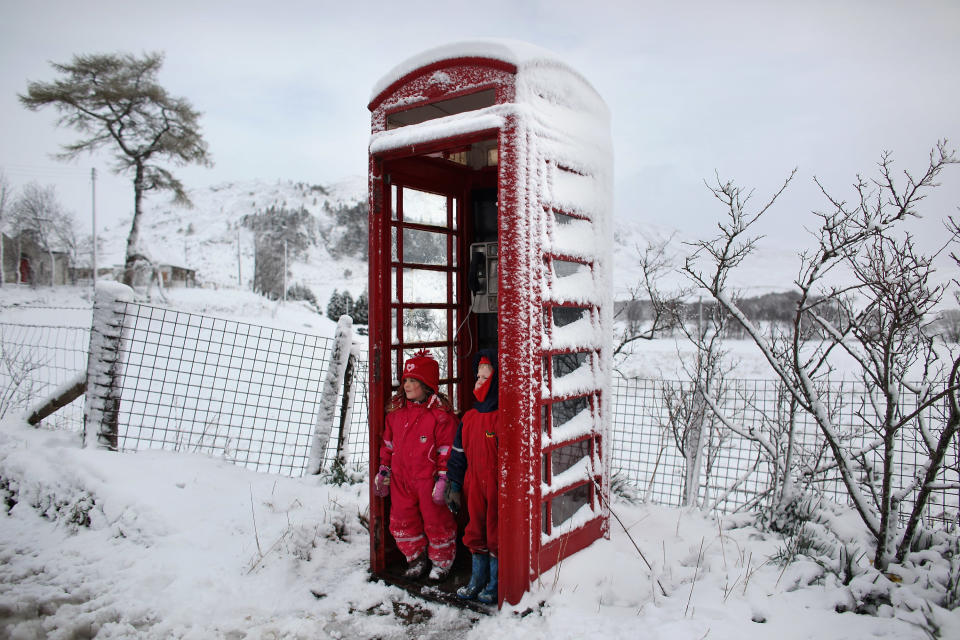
(411, 168)
(470, 64)
(520, 374)
(454, 235)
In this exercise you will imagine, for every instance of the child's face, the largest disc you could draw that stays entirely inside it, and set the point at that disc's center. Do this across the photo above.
(414, 390)
(484, 372)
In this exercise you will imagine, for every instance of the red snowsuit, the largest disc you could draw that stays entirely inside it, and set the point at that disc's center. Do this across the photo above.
(416, 445)
(480, 434)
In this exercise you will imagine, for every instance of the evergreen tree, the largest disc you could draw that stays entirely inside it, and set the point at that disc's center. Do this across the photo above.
(299, 291)
(280, 235)
(360, 313)
(335, 307)
(348, 236)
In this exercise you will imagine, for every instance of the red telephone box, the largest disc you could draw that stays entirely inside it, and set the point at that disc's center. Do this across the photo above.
(490, 226)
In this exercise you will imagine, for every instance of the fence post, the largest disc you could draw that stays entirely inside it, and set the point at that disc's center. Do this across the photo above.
(327, 409)
(67, 394)
(346, 413)
(105, 365)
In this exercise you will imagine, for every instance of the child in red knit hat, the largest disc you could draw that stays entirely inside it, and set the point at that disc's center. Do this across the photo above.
(417, 439)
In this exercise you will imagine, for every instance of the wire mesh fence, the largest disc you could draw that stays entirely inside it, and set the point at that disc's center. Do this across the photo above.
(200, 384)
(36, 360)
(250, 394)
(737, 472)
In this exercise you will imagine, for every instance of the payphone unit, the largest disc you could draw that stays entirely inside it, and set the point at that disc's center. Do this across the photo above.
(483, 277)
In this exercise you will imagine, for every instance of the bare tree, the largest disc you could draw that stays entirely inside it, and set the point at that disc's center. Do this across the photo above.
(38, 215)
(879, 317)
(665, 307)
(688, 419)
(697, 438)
(115, 101)
(17, 381)
(6, 195)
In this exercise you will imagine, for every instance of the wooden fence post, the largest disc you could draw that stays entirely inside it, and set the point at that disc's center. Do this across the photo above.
(327, 409)
(346, 411)
(105, 365)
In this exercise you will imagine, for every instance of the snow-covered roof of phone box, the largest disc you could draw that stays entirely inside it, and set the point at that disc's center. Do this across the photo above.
(524, 56)
(557, 102)
(568, 123)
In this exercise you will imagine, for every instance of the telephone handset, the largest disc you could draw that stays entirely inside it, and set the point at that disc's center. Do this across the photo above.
(482, 278)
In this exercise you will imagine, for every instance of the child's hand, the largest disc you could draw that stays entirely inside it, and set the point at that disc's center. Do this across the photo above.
(438, 488)
(381, 482)
(452, 496)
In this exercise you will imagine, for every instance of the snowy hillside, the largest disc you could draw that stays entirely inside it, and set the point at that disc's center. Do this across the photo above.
(211, 239)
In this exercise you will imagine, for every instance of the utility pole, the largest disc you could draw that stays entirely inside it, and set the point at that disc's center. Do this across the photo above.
(284, 270)
(93, 216)
(239, 274)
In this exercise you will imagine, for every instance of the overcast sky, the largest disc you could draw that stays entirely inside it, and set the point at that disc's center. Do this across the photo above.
(746, 89)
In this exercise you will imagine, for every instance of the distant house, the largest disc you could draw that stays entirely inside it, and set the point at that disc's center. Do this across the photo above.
(174, 276)
(170, 275)
(81, 275)
(26, 262)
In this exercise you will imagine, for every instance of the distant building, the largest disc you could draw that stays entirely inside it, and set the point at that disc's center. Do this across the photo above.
(174, 276)
(26, 262)
(170, 275)
(81, 275)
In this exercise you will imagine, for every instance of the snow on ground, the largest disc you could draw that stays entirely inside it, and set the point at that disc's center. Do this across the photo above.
(174, 545)
(26, 305)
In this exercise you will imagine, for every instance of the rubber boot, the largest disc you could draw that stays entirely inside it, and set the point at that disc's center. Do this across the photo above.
(489, 593)
(416, 567)
(479, 572)
(439, 574)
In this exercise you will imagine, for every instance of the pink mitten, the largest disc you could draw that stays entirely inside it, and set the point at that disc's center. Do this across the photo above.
(381, 483)
(438, 488)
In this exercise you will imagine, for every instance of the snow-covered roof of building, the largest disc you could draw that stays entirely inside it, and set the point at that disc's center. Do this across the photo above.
(523, 55)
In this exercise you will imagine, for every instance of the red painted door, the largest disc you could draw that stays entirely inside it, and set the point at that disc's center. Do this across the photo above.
(416, 292)
(25, 274)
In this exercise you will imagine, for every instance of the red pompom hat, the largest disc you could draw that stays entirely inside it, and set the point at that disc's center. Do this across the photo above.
(424, 368)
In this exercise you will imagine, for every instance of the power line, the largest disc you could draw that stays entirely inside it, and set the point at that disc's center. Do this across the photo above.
(44, 171)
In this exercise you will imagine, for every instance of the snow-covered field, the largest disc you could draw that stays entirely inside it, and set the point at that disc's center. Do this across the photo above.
(173, 545)
(164, 545)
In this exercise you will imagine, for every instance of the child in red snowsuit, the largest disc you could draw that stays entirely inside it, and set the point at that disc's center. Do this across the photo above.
(473, 469)
(417, 438)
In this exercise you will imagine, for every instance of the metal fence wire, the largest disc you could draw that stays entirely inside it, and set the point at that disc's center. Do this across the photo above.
(208, 385)
(35, 361)
(251, 395)
(735, 474)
